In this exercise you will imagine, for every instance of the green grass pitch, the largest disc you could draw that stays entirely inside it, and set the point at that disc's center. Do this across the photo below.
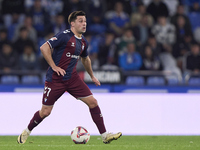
(95, 143)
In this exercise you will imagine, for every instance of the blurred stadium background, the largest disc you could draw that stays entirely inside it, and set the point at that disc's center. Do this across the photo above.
(136, 46)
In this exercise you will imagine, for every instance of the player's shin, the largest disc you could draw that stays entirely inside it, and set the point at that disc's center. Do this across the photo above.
(35, 121)
(98, 119)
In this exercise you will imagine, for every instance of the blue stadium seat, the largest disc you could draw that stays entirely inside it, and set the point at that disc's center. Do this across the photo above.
(9, 79)
(194, 19)
(194, 81)
(30, 79)
(154, 80)
(43, 77)
(172, 81)
(189, 2)
(135, 80)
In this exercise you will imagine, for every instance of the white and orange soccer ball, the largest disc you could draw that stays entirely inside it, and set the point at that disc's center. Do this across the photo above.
(80, 135)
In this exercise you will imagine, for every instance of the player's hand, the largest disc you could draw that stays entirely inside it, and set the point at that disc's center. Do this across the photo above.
(96, 81)
(59, 70)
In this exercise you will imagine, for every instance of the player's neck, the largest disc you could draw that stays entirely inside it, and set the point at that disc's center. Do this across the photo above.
(76, 33)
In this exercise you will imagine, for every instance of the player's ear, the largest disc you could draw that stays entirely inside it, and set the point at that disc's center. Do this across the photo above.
(72, 24)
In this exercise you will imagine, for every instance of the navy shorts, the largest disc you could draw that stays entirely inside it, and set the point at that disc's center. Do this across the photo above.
(75, 86)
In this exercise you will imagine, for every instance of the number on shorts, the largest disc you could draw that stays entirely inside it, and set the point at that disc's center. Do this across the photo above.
(47, 90)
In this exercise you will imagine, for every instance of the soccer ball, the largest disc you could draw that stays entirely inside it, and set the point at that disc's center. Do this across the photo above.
(80, 135)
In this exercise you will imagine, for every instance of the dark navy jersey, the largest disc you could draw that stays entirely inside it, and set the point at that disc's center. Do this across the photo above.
(67, 48)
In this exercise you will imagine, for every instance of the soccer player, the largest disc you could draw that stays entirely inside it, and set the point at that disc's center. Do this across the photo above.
(62, 53)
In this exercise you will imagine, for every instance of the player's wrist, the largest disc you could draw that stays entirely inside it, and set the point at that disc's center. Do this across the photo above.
(53, 66)
(92, 76)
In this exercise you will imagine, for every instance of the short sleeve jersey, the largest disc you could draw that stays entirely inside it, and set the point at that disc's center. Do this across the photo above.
(67, 48)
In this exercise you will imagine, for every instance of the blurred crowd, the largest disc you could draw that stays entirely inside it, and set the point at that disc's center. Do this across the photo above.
(123, 34)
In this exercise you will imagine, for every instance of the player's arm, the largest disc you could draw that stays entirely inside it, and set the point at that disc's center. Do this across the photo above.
(87, 65)
(47, 53)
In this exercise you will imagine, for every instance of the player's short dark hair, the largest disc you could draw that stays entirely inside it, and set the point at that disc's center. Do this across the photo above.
(73, 16)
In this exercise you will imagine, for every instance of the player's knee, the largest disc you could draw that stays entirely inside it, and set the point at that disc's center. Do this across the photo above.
(45, 113)
(93, 103)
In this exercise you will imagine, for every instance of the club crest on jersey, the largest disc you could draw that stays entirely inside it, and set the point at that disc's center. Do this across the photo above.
(83, 47)
(53, 38)
(45, 99)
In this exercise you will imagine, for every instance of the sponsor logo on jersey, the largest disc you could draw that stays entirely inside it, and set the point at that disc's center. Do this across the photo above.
(72, 56)
(53, 38)
(68, 54)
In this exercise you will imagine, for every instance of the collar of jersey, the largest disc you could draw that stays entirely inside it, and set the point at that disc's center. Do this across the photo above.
(78, 37)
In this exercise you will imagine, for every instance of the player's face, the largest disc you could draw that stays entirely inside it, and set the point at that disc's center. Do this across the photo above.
(80, 24)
